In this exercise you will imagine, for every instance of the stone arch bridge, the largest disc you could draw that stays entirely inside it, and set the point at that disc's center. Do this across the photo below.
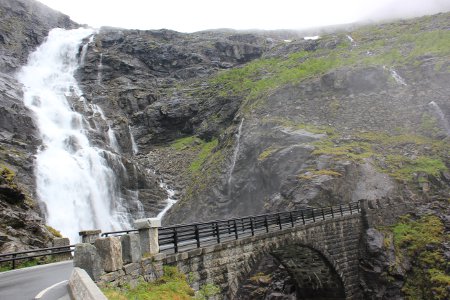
(320, 251)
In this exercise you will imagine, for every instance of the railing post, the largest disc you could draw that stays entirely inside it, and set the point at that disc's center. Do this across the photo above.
(148, 234)
(340, 208)
(357, 207)
(218, 232)
(266, 224)
(175, 240)
(292, 219)
(197, 236)
(14, 261)
(89, 236)
(323, 214)
(314, 217)
(303, 217)
(235, 229)
(332, 212)
(251, 226)
(350, 206)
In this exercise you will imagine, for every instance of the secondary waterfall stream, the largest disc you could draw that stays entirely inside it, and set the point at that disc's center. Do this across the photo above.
(235, 155)
(441, 116)
(74, 180)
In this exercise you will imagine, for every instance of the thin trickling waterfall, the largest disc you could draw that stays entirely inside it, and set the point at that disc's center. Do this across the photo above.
(396, 76)
(84, 50)
(100, 70)
(112, 140)
(170, 199)
(73, 178)
(441, 116)
(235, 155)
(134, 146)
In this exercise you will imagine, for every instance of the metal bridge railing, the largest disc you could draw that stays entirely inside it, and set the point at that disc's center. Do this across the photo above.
(187, 236)
(13, 257)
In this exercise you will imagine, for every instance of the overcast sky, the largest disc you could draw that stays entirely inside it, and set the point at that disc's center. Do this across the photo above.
(195, 15)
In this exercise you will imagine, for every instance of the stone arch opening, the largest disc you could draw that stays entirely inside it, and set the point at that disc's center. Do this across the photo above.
(315, 276)
(292, 271)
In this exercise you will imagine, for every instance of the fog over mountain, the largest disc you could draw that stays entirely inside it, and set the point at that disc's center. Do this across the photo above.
(190, 16)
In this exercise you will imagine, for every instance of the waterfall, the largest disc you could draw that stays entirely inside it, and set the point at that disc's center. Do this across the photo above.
(100, 70)
(80, 190)
(112, 140)
(235, 155)
(170, 199)
(396, 76)
(441, 116)
(350, 39)
(85, 49)
(134, 146)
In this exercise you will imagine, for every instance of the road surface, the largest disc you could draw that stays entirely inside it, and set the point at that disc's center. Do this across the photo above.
(29, 283)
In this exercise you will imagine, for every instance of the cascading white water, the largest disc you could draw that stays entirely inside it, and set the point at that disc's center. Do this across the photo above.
(100, 70)
(73, 178)
(396, 76)
(441, 116)
(235, 155)
(170, 200)
(350, 39)
(84, 50)
(134, 146)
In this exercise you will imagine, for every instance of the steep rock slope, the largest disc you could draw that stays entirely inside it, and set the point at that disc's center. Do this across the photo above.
(23, 26)
(353, 115)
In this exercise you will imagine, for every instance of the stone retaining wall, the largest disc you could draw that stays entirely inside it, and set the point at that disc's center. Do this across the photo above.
(228, 263)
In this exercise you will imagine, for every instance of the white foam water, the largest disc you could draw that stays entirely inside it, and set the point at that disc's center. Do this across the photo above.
(170, 200)
(134, 146)
(73, 178)
(441, 116)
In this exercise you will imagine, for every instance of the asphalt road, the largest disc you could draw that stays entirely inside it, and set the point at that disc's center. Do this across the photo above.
(27, 283)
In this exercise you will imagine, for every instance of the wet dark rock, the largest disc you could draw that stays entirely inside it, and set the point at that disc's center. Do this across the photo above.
(25, 24)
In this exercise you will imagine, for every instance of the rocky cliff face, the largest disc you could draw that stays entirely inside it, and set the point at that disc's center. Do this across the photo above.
(23, 26)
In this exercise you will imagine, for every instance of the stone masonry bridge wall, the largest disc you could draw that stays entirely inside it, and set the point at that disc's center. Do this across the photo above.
(115, 260)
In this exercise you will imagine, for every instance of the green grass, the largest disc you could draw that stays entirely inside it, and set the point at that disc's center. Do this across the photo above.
(186, 142)
(355, 151)
(421, 241)
(171, 286)
(54, 231)
(267, 152)
(206, 161)
(404, 168)
(25, 263)
(388, 153)
(385, 45)
(205, 151)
